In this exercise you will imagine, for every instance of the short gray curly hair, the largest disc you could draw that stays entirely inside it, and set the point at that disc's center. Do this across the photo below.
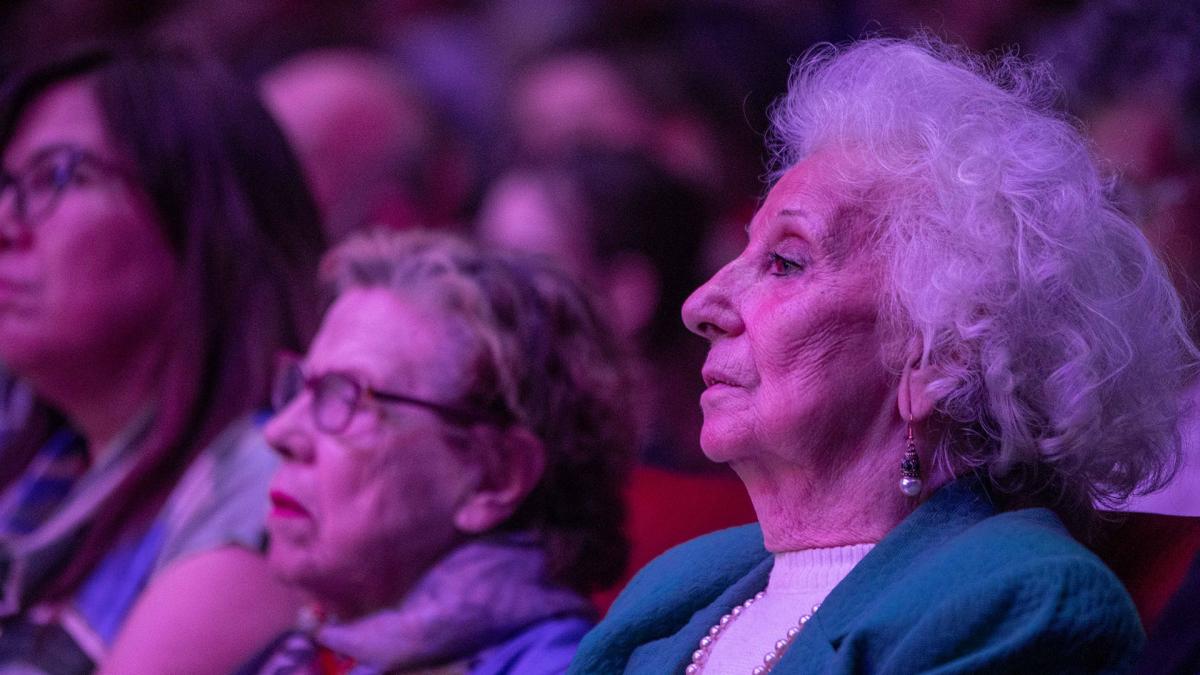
(537, 346)
(1056, 333)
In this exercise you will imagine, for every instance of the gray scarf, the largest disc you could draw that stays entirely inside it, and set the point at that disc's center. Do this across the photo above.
(479, 595)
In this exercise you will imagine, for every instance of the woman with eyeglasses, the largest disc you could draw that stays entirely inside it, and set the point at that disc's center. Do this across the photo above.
(156, 242)
(453, 447)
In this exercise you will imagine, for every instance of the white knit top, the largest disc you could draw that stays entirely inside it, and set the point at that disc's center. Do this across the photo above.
(799, 580)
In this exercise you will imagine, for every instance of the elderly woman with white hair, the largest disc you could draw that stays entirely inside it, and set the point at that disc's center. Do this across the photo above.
(941, 348)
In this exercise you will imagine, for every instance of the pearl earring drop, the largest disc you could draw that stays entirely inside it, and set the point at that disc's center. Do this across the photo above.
(910, 467)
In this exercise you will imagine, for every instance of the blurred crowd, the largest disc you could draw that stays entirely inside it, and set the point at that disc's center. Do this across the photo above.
(624, 140)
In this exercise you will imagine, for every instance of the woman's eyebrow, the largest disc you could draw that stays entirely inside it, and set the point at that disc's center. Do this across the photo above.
(804, 230)
(782, 213)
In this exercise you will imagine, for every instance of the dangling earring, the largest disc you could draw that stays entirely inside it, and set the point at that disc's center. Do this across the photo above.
(910, 466)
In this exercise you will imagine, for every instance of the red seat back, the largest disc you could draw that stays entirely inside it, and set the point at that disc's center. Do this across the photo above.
(1150, 553)
(667, 508)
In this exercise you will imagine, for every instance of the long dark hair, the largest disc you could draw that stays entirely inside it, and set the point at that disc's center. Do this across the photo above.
(232, 203)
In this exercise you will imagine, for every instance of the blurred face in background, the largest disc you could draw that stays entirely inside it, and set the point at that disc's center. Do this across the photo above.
(523, 211)
(360, 513)
(356, 128)
(86, 274)
(547, 215)
(577, 99)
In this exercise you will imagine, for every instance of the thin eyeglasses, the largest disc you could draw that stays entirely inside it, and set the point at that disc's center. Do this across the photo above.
(38, 187)
(336, 396)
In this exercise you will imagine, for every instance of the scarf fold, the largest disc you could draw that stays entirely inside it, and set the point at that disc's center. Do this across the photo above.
(479, 595)
(65, 501)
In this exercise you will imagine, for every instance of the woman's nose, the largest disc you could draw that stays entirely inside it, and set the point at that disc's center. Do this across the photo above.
(710, 311)
(286, 433)
(13, 233)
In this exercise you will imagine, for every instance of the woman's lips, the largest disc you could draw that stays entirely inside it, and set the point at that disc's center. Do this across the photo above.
(11, 288)
(716, 379)
(284, 505)
(13, 285)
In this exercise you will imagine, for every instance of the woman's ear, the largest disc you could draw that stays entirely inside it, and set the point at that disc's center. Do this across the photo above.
(512, 467)
(914, 399)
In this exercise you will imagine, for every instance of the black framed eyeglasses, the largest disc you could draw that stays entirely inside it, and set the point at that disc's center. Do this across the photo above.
(337, 395)
(38, 186)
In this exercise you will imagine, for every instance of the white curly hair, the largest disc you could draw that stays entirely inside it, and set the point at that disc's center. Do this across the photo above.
(1056, 333)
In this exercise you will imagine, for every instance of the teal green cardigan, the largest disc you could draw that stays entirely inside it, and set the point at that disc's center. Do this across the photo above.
(957, 587)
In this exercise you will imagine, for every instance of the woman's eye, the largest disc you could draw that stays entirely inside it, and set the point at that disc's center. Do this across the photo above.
(781, 266)
(44, 177)
(55, 175)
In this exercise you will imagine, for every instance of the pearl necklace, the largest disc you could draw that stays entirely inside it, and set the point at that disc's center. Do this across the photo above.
(700, 656)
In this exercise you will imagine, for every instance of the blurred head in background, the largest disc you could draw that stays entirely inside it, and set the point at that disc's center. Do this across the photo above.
(585, 98)
(368, 140)
(633, 232)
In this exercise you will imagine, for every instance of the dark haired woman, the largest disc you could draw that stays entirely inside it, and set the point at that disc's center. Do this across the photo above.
(155, 244)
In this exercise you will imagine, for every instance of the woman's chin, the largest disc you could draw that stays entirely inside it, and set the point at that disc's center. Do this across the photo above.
(721, 448)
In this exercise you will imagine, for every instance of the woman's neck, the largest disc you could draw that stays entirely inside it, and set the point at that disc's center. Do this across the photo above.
(844, 492)
(796, 512)
(102, 399)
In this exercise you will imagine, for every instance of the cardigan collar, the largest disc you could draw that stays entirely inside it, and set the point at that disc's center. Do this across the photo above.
(742, 568)
(950, 511)
(59, 474)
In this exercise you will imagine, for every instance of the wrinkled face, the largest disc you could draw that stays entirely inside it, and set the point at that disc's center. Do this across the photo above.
(794, 367)
(91, 277)
(357, 516)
